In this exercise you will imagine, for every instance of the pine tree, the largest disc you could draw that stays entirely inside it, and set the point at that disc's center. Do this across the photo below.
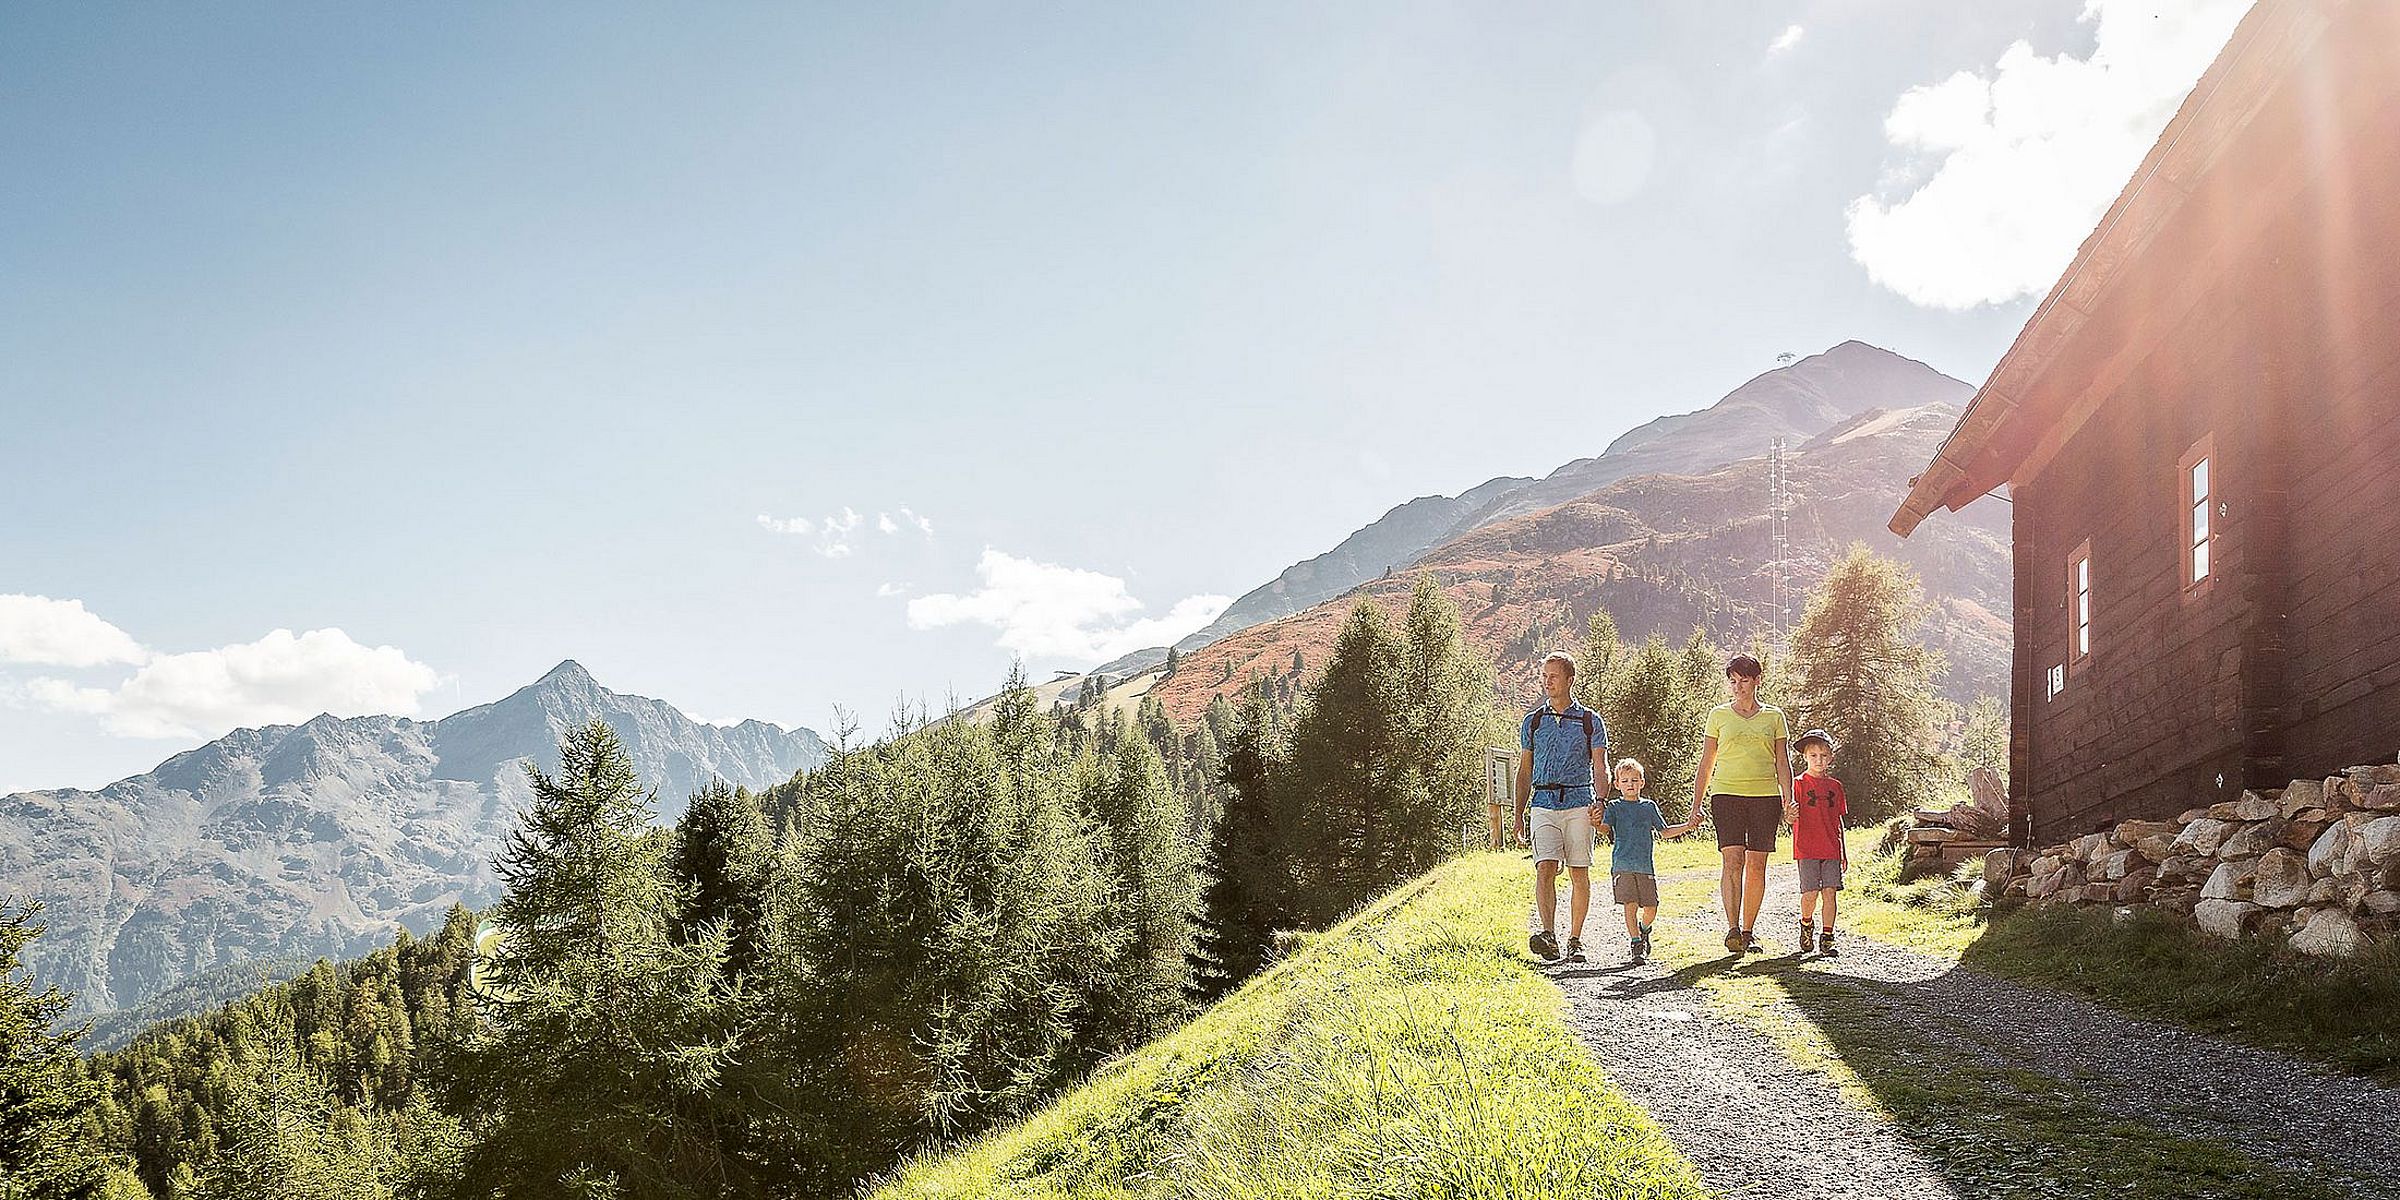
(1860, 674)
(723, 864)
(1147, 867)
(1654, 712)
(286, 1136)
(1174, 663)
(1600, 648)
(44, 1093)
(1246, 871)
(600, 1067)
(1445, 694)
(1347, 756)
(1984, 742)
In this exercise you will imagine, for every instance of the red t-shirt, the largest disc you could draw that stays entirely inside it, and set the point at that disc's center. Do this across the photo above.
(1818, 832)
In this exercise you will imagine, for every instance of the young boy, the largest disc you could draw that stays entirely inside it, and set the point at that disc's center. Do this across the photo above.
(1817, 839)
(1631, 820)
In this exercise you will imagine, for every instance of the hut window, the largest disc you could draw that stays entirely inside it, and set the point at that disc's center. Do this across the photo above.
(2079, 603)
(2197, 475)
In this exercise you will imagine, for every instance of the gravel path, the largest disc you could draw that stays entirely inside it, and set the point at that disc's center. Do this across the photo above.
(1726, 1093)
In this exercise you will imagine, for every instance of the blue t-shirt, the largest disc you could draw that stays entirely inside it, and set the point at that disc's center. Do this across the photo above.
(1562, 754)
(1635, 825)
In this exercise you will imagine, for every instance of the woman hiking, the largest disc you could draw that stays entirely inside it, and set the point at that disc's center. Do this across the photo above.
(1745, 778)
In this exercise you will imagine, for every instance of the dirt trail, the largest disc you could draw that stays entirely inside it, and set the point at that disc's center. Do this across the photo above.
(1757, 1123)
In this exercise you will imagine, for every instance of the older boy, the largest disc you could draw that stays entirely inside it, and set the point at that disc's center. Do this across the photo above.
(1564, 746)
(1817, 846)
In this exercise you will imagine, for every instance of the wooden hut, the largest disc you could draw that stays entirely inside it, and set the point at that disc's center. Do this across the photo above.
(2199, 430)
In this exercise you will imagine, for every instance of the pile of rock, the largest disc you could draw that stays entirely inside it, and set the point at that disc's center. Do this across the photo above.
(2318, 861)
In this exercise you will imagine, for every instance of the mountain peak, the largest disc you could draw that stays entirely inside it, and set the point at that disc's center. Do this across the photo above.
(567, 676)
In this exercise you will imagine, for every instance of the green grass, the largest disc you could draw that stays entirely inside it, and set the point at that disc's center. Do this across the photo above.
(1988, 1128)
(1412, 1051)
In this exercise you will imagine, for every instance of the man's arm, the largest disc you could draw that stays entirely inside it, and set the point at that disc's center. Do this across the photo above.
(1524, 784)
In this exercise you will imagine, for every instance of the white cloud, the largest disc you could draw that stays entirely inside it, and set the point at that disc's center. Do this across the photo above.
(832, 534)
(920, 524)
(61, 633)
(1789, 38)
(884, 522)
(1045, 611)
(2003, 172)
(282, 678)
(889, 590)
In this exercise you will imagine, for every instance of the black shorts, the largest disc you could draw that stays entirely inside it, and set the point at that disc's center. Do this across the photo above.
(1746, 821)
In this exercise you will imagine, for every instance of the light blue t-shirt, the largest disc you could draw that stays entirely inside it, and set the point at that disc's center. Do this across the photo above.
(1635, 825)
(1562, 754)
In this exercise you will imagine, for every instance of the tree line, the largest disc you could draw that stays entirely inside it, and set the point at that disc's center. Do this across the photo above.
(787, 992)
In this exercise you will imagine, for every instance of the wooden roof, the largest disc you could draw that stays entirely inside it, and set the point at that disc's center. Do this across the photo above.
(2051, 379)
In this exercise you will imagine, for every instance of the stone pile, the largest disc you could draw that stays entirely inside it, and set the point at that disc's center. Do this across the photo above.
(2317, 862)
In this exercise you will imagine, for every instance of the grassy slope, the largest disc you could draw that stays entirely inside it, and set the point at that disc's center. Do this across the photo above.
(1411, 1051)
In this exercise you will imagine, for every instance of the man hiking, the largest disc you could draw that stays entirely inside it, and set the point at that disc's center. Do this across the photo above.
(1563, 747)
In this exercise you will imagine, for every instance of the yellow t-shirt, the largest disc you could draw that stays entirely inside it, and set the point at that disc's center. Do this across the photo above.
(1746, 751)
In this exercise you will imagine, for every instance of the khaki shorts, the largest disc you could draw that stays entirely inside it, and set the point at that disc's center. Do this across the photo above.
(1635, 889)
(1563, 835)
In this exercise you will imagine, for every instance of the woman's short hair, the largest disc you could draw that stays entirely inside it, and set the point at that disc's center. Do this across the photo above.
(1744, 666)
(1561, 656)
(1637, 766)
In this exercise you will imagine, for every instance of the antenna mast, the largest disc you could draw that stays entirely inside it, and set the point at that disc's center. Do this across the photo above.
(1779, 507)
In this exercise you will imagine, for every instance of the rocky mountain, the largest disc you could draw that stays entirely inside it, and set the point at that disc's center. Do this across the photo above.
(294, 841)
(1795, 402)
(1664, 553)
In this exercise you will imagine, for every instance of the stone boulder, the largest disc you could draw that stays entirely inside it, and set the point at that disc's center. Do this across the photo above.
(2230, 881)
(2281, 879)
(2304, 794)
(2330, 933)
(2336, 850)
(2382, 903)
(2379, 841)
(2135, 887)
(2385, 798)
(2226, 918)
(2155, 839)
(2256, 807)
(2254, 839)
(2203, 836)
(2300, 833)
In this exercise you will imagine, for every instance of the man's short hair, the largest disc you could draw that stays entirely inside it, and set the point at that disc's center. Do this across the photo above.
(1561, 656)
(1744, 666)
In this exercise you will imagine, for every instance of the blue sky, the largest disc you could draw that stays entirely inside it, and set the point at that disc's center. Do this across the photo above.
(487, 336)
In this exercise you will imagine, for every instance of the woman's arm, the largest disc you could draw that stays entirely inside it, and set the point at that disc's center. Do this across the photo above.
(1708, 762)
(1783, 779)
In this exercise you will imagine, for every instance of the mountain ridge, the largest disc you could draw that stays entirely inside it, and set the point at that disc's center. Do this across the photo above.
(316, 838)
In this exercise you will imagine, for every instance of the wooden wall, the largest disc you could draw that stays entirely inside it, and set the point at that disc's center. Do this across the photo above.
(2288, 662)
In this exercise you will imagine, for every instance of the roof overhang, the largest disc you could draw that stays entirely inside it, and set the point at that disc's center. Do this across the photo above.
(2050, 380)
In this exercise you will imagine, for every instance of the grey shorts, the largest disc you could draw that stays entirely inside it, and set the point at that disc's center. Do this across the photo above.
(1635, 889)
(1820, 874)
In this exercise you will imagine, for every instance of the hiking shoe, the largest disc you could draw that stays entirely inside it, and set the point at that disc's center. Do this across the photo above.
(1637, 954)
(1826, 944)
(1736, 940)
(1544, 944)
(1751, 943)
(1575, 949)
(1808, 936)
